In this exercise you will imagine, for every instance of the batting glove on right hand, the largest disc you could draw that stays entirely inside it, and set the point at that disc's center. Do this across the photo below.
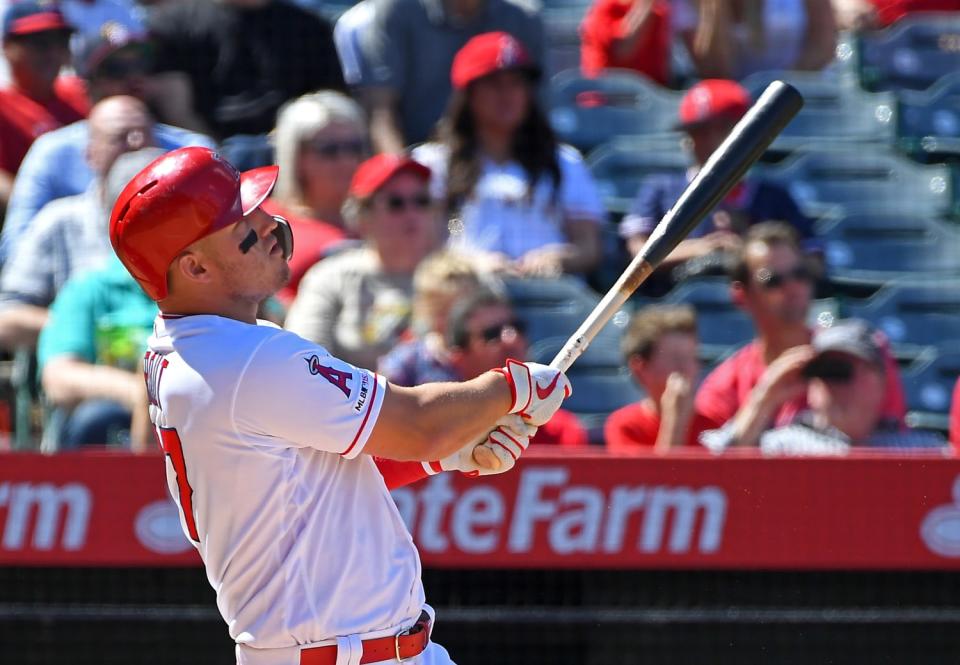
(537, 390)
(506, 443)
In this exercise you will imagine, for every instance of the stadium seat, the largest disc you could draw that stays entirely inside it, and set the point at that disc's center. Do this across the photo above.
(587, 112)
(912, 53)
(929, 121)
(866, 180)
(880, 247)
(928, 384)
(913, 312)
(620, 165)
(721, 326)
(247, 151)
(598, 392)
(832, 111)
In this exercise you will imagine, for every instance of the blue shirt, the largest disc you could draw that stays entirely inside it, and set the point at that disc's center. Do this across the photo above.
(756, 200)
(56, 166)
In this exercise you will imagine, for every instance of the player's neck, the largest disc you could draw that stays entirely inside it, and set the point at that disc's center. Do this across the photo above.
(228, 309)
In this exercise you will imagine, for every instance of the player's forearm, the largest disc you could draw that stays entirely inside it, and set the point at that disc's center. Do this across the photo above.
(434, 420)
(68, 381)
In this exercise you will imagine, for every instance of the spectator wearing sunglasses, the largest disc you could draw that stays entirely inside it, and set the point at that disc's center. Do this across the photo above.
(708, 112)
(480, 328)
(762, 384)
(36, 39)
(523, 203)
(320, 139)
(357, 304)
(114, 64)
(845, 384)
(660, 349)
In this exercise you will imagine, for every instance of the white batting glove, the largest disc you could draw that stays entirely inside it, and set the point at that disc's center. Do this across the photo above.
(537, 390)
(506, 442)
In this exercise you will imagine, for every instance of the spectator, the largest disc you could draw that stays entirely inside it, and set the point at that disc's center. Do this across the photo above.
(660, 348)
(357, 303)
(347, 35)
(409, 49)
(846, 386)
(762, 383)
(483, 328)
(708, 111)
(56, 164)
(36, 46)
(69, 235)
(321, 139)
(878, 14)
(89, 352)
(91, 18)
(439, 281)
(228, 66)
(733, 38)
(627, 34)
(527, 204)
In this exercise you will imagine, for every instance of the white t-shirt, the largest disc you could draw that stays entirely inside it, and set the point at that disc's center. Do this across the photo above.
(500, 217)
(298, 533)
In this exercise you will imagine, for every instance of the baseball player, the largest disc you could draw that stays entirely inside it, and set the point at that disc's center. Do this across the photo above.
(270, 441)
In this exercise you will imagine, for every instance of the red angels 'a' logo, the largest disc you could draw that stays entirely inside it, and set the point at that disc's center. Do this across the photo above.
(337, 377)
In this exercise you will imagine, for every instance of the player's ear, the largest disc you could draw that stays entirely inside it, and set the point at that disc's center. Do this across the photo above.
(192, 267)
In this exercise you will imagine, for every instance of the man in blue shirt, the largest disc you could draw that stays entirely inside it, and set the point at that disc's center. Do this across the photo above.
(56, 166)
(708, 112)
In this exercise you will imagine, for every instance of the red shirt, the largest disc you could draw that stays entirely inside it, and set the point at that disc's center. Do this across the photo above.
(728, 386)
(603, 24)
(563, 429)
(23, 119)
(311, 239)
(889, 11)
(637, 426)
(955, 418)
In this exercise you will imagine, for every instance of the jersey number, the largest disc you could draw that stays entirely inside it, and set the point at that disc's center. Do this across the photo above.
(170, 442)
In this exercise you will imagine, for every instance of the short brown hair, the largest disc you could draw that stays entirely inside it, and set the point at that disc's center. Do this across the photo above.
(651, 323)
(771, 234)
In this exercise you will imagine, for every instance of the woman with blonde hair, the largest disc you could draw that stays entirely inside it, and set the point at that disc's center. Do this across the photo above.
(320, 140)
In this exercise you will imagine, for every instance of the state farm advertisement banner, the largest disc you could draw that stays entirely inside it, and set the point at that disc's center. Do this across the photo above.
(583, 511)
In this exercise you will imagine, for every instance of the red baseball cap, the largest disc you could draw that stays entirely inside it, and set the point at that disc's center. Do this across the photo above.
(488, 53)
(373, 173)
(29, 16)
(713, 99)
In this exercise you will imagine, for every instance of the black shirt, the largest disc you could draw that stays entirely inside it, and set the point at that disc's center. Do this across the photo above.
(243, 63)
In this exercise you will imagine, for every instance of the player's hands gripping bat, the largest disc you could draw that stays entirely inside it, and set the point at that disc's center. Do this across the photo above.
(497, 452)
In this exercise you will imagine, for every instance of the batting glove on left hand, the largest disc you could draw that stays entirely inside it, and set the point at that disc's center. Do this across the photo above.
(537, 390)
(506, 442)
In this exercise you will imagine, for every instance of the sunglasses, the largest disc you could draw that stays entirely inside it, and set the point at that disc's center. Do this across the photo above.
(46, 39)
(396, 203)
(769, 280)
(334, 149)
(831, 370)
(495, 332)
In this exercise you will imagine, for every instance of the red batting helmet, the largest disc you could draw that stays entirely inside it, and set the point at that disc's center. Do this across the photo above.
(177, 199)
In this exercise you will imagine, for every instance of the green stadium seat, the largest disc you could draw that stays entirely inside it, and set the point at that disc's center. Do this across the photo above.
(587, 112)
(912, 312)
(929, 121)
(865, 180)
(620, 165)
(833, 111)
(880, 247)
(912, 53)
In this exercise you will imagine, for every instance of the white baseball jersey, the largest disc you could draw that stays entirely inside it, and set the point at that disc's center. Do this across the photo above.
(263, 432)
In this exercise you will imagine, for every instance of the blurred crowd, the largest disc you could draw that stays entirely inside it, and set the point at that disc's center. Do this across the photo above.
(434, 204)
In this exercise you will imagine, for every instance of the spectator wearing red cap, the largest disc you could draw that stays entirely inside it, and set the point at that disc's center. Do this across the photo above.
(521, 201)
(408, 49)
(36, 45)
(734, 38)
(708, 111)
(357, 303)
(627, 34)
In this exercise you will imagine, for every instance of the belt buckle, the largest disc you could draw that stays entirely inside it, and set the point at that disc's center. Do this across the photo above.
(396, 645)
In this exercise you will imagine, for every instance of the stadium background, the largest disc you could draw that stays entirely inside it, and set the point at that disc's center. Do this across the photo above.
(874, 157)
